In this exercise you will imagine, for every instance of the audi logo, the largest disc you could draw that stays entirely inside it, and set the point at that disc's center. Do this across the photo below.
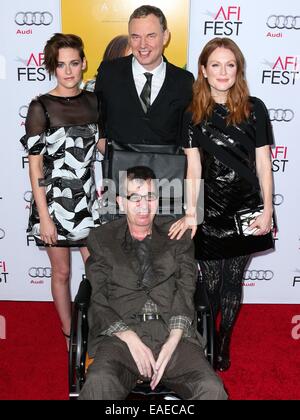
(283, 22)
(40, 272)
(28, 196)
(280, 115)
(258, 275)
(33, 18)
(2, 234)
(23, 111)
(278, 199)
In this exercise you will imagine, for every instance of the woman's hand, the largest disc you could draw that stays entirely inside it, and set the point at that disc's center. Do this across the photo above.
(192, 185)
(178, 228)
(262, 224)
(48, 231)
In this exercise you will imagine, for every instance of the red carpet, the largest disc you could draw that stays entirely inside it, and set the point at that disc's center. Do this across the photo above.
(265, 357)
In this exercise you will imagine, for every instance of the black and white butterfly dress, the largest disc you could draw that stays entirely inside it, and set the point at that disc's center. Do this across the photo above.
(65, 131)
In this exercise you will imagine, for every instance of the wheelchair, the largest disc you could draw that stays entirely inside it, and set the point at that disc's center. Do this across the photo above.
(168, 162)
(78, 358)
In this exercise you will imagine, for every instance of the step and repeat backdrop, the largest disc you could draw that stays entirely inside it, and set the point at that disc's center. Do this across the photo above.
(265, 31)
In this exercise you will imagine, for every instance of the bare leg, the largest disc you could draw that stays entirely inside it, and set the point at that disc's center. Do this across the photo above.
(84, 253)
(60, 285)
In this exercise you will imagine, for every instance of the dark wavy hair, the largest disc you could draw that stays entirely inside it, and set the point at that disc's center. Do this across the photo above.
(57, 42)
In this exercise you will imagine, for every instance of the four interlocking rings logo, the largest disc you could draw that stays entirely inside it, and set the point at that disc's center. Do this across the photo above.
(278, 199)
(283, 22)
(28, 196)
(258, 275)
(23, 111)
(40, 272)
(2, 234)
(33, 18)
(280, 115)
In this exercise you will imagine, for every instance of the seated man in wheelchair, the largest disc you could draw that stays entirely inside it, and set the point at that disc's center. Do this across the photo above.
(141, 314)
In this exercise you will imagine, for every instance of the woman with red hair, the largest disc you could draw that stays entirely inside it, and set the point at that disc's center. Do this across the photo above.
(232, 130)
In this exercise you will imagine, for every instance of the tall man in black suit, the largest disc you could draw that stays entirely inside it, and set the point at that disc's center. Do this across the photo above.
(143, 97)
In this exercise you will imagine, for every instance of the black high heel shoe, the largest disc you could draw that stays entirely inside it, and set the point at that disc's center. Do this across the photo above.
(223, 356)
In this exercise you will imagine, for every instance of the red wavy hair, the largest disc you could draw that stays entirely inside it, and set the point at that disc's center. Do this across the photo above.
(238, 96)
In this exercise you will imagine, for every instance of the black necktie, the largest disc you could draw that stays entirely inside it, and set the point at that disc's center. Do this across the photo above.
(146, 93)
(143, 253)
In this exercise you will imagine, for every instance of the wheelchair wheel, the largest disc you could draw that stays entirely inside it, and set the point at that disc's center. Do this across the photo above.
(206, 328)
(77, 351)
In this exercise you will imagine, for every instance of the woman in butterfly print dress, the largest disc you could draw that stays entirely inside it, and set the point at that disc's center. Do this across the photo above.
(61, 139)
(233, 132)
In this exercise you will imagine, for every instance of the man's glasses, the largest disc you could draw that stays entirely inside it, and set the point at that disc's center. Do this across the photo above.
(136, 198)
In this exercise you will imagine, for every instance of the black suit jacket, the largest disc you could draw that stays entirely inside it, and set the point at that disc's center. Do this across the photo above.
(123, 117)
(114, 274)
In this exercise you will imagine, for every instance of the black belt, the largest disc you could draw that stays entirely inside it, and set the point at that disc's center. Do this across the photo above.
(146, 317)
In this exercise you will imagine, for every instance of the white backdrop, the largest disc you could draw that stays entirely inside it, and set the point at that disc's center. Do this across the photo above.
(24, 269)
(268, 34)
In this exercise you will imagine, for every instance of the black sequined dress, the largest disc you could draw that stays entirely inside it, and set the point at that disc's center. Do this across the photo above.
(230, 182)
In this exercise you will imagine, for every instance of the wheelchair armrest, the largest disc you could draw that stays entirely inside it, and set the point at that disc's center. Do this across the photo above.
(83, 296)
(201, 300)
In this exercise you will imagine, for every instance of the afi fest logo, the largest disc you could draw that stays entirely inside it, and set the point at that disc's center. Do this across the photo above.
(279, 156)
(285, 71)
(33, 69)
(3, 272)
(226, 22)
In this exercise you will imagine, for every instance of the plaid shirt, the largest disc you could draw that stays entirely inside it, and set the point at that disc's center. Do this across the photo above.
(176, 322)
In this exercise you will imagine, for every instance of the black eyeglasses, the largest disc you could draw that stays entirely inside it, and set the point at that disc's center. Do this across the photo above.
(136, 198)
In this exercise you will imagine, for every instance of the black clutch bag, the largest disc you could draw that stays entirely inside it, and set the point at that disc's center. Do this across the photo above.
(243, 219)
